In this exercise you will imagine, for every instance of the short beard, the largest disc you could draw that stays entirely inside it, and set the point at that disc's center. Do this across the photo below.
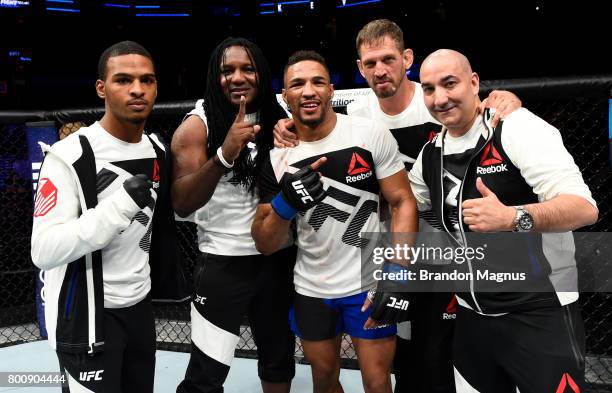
(389, 93)
(313, 123)
(386, 93)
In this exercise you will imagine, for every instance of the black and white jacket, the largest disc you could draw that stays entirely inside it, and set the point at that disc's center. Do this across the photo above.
(83, 218)
(522, 161)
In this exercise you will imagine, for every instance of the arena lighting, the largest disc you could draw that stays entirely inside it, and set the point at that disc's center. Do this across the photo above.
(117, 5)
(344, 4)
(293, 2)
(62, 9)
(61, 1)
(267, 11)
(279, 5)
(146, 6)
(163, 15)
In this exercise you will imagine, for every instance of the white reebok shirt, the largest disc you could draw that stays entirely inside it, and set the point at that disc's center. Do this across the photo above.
(359, 152)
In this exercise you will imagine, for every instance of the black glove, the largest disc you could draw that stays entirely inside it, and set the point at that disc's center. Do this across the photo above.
(388, 307)
(139, 189)
(299, 192)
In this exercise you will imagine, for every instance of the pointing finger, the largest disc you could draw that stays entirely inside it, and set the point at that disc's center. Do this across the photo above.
(241, 110)
(318, 163)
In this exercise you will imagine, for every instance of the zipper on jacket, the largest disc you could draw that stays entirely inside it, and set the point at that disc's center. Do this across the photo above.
(459, 203)
(459, 210)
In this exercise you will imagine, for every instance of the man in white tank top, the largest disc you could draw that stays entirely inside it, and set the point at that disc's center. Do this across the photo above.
(218, 150)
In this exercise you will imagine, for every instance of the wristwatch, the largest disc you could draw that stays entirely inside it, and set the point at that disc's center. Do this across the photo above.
(523, 221)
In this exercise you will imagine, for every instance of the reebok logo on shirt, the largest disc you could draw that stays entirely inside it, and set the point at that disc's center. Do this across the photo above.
(492, 160)
(451, 309)
(567, 380)
(156, 176)
(358, 169)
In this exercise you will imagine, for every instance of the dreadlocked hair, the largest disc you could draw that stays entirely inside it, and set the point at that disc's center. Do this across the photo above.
(221, 113)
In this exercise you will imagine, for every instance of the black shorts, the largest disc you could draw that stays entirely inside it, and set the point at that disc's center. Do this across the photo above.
(226, 289)
(127, 363)
(423, 363)
(540, 350)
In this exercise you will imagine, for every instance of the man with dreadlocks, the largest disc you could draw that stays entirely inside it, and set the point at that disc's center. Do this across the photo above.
(218, 150)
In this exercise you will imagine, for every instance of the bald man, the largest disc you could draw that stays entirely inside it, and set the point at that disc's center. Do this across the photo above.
(517, 177)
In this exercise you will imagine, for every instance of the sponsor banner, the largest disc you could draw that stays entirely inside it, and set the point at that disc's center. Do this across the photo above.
(14, 3)
(39, 131)
(340, 99)
(488, 262)
(43, 131)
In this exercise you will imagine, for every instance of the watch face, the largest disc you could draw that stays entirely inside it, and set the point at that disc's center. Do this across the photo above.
(525, 222)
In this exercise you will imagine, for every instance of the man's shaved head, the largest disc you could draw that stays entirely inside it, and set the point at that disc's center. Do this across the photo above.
(448, 55)
(450, 89)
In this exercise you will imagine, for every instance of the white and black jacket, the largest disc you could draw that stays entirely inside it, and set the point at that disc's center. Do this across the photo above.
(522, 161)
(71, 256)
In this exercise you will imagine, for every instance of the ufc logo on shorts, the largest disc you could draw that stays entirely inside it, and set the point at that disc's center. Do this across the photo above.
(399, 304)
(200, 299)
(299, 188)
(87, 376)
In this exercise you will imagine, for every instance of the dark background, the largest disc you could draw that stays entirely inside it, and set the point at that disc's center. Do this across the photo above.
(48, 59)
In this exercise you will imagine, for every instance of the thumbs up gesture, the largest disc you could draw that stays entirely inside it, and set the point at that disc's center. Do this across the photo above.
(487, 214)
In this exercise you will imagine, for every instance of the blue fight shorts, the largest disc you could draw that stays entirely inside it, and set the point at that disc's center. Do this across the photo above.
(317, 319)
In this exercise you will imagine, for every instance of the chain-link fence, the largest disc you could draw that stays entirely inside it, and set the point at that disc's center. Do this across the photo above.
(578, 107)
(17, 276)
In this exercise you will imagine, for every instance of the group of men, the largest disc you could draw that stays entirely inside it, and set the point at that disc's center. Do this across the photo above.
(279, 227)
